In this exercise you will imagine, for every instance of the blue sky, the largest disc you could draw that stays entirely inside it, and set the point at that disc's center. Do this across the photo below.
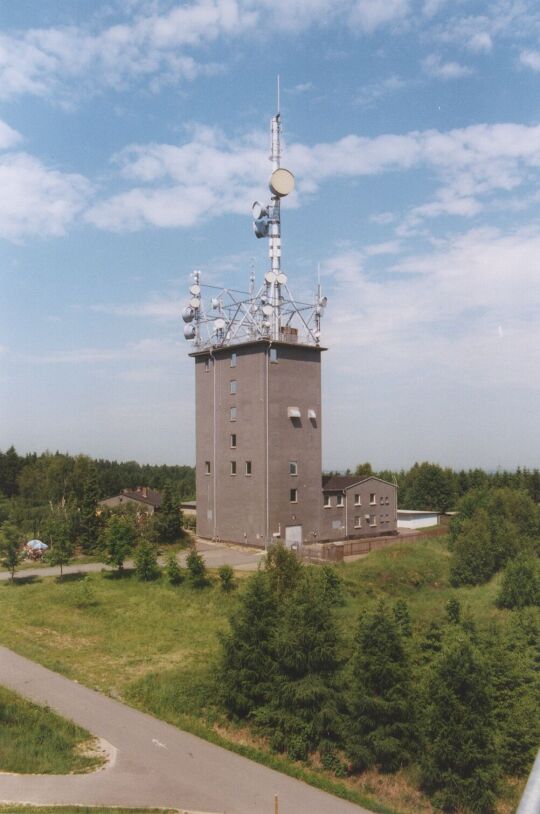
(133, 139)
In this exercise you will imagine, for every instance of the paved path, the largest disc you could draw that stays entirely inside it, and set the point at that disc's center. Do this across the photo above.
(156, 764)
(215, 554)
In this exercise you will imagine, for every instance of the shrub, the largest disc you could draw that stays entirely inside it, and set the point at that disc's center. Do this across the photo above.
(521, 583)
(473, 560)
(198, 575)
(227, 579)
(173, 571)
(146, 564)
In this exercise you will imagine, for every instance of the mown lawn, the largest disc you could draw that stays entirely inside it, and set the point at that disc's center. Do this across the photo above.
(155, 646)
(34, 740)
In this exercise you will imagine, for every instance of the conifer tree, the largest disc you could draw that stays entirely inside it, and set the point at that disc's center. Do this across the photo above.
(453, 611)
(146, 562)
(226, 578)
(284, 570)
(247, 656)
(381, 711)
(173, 571)
(168, 521)
(302, 713)
(521, 583)
(458, 761)
(402, 617)
(89, 522)
(197, 573)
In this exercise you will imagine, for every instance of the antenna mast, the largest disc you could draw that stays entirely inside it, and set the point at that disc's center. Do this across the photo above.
(274, 230)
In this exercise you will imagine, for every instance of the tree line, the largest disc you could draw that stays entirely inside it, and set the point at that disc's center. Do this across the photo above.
(456, 703)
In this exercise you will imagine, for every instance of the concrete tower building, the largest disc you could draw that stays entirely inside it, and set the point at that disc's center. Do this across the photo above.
(258, 396)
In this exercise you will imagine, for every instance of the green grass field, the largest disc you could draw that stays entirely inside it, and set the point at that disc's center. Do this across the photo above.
(34, 740)
(154, 645)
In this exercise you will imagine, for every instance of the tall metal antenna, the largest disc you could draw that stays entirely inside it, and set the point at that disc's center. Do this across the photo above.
(270, 313)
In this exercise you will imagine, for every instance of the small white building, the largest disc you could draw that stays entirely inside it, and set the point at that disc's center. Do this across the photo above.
(413, 519)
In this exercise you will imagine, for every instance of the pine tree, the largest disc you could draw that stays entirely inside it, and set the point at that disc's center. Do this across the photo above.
(146, 563)
(458, 761)
(453, 611)
(284, 570)
(247, 656)
(226, 577)
(197, 573)
(173, 571)
(381, 710)
(402, 617)
(89, 522)
(302, 714)
(168, 521)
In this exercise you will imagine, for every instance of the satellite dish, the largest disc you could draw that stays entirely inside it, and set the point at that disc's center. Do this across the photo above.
(195, 302)
(267, 310)
(323, 301)
(188, 313)
(270, 277)
(195, 290)
(266, 325)
(260, 227)
(215, 302)
(282, 279)
(219, 324)
(281, 182)
(259, 211)
(189, 331)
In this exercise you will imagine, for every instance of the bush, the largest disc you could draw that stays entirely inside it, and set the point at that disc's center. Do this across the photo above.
(173, 571)
(146, 564)
(521, 583)
(226, 576)
(473, 560)
(197, 573)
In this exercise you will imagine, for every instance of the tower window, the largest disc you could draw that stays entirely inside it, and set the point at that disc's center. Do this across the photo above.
(357, 500)
(207, 468)
(273, 354)
(233, 414)
(233, 440)
(232, 388)
(340, 501)
(293, 468)
(233, 467)
(248, 467)
(293, 495)
(233, 359)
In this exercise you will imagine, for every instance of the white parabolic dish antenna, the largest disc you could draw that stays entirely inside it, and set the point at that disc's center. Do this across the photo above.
(281, 182)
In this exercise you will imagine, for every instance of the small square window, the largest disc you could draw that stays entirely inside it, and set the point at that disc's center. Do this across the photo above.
(207, 468)
(233, 440)
(372, 498)
(293, 495)
(232, 387)
(233, 414)
(340, 501)
(273, 354)
(293, 468)
(233, 359)
(357, 500)
(248, 467)
(233, 467)
(327, 501)
(358, 522)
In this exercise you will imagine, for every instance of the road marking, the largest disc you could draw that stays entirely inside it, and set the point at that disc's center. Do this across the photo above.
(158, 743)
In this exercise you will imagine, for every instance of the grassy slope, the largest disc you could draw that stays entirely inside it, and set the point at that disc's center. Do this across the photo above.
(35, 740)
(154, 645)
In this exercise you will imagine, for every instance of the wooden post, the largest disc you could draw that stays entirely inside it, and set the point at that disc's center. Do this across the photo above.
(276, 804)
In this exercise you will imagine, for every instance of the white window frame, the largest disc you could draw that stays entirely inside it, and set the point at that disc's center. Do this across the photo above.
(207, 467)
(358, 500)
(248, 469)
(358, 522)
(234, 359)
(232, 414)
(233, 440)
(340, 501)
(233, 387)
(372, 498)
(233, 468)
(291, 498)
(293, 468)
(372, 520)
(273, 355)
(328, 501)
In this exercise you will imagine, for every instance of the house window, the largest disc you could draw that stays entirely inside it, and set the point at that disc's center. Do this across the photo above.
(357, 500)
(233, 359)
(293, 468)
(273, 354)
(233, 413)
(248, 467)
(372, 520)
(340, 501)
(382, 501)
(207, 468)
(327, 501)
(387, 501)
(358, 522)
(372, 498)
(233, 440)
(233, 467)
(232, 388)
(293, 495)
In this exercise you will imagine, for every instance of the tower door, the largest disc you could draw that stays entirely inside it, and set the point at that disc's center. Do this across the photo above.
(293, 536)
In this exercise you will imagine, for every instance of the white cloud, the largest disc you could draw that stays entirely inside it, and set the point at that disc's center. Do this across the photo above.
(369, 94)
(480, 42)
(37, 200)
(531, 59)
(434, 66)
(368, 15)
(8, 136)
(179, 186)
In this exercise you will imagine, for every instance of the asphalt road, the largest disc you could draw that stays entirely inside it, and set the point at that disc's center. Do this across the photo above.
(215, 554)
(155, 765)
